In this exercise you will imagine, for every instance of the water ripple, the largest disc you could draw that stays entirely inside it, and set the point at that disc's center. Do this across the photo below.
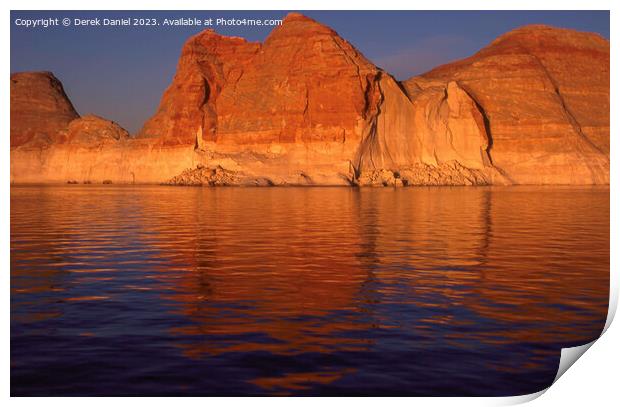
(120, 290)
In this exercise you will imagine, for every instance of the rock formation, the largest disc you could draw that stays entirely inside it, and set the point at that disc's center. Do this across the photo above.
(545, 96)
(40, 109)
(306, 108)
(208, 62)
(93, 130)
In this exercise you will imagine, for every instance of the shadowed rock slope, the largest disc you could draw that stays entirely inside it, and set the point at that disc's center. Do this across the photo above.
(306, 108)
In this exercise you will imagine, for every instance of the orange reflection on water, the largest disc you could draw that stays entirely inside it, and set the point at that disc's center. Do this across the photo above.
(507, 255)
(293, 271)
(283, 385)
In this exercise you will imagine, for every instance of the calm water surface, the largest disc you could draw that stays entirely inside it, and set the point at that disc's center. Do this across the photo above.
(120, 290)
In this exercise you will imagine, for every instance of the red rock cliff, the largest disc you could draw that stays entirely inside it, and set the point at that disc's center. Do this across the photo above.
(544, 93)
(305, 107)
(40, 109)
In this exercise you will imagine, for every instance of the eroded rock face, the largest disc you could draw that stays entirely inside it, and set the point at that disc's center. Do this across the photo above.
(93, 130)
(303, 99)
(306, 108)
(305, 85)
(431, 123)
(544, 93)
(208, 62)
(307, 102)
(40, 109)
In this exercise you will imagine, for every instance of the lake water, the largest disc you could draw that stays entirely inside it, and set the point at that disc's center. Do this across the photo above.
(121, 290)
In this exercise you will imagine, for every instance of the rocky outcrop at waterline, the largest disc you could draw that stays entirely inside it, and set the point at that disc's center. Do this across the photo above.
(202, 176)
(306, 108)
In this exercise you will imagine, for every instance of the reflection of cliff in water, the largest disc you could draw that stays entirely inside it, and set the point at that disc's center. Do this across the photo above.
(348, 281)
(307, 271)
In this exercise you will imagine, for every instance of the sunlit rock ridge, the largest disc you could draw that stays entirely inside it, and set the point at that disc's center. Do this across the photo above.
(306, 108)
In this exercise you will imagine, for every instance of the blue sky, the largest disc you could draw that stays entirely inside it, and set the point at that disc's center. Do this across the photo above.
(120, 73)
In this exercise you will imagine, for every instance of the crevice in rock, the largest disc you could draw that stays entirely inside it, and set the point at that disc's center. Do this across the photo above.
(307, 100)
(369, 141)
(351, 60)
(485, 121)
(593, 167)
(402, 88)
(569, 115)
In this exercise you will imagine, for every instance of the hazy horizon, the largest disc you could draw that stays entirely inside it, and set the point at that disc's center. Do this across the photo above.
(120, 73)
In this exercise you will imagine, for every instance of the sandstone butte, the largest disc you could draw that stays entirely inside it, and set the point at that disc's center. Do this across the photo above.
(306, 108)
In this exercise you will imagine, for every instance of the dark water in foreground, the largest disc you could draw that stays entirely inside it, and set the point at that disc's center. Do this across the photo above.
(119, 290)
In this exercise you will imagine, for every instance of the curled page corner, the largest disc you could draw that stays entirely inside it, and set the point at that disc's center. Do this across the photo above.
(613, 302)
(525, 398)
(569, 356)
